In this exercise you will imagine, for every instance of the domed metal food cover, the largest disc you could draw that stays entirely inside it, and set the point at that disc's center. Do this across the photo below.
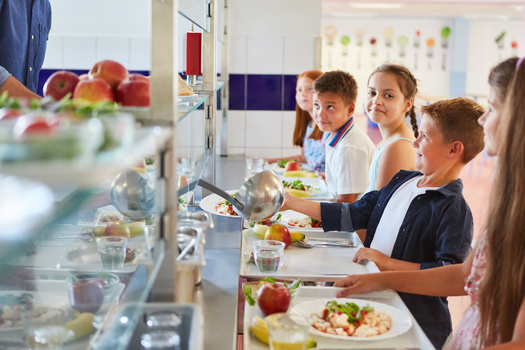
(133, 195)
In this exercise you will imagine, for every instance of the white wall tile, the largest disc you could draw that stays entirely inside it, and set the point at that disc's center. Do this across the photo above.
(113, 48)
(263, 129)
(299, 54)
(264, 55)
(80, 52)
(288, 128)
(263, 152)
(54, 57)
(235, 150)
(237, 59)
(140, 53)
(236, 128)
(275, 17)
(290, 152)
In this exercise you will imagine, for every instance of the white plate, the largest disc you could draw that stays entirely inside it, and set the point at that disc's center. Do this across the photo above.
(290, 214)
(208, 204)
(39, 299)
(315, 182)
(401, 322)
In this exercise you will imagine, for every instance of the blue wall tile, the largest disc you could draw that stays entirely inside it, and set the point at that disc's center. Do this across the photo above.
(290, 83)
(264, 92)
(237, 92)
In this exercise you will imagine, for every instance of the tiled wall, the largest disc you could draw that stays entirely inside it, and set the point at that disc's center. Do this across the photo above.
(268, 48)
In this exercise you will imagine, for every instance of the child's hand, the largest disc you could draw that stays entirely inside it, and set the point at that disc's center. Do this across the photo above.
(287, 204)
(367, 254)
(358, 284)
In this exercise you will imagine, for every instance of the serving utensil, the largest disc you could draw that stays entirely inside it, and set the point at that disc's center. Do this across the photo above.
(260, 197)
(313, 243)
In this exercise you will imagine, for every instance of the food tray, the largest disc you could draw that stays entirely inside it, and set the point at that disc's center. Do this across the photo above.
(413, 338)
(315, 264)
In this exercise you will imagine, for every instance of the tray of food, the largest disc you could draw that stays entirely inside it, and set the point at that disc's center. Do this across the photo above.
(315, 264)
(396, 327)
(313, 188)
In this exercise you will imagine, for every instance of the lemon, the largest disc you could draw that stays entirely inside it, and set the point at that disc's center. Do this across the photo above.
(260, 230)
(298, 193)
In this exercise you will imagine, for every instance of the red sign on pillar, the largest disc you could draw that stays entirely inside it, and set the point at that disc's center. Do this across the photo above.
(193, 53)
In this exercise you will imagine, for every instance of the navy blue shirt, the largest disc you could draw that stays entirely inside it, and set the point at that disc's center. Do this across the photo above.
(436, 231)
(24, 30)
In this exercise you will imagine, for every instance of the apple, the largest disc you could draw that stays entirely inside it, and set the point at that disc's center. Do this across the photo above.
(292, 166)
(117, 228)
(94, 90)
(273, 298)
(84, 76)
(36, 124)
(60, 83)
(86, 295)
(279, 233)
(134, 91)
(9, 113)
(111, 71)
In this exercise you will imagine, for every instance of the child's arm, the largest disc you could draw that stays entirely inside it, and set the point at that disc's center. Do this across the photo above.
(383, 262)
(399, 155)
(347, 198)
(441, 281)
(302, 205)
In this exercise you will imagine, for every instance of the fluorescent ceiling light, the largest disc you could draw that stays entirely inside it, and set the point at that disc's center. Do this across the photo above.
(383, 6)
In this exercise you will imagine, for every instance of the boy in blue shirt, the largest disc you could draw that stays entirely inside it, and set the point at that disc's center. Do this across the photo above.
(420, 219)
(348, 149)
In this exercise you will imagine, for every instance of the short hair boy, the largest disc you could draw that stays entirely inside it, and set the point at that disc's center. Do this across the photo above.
(349, 150)
(420, 219)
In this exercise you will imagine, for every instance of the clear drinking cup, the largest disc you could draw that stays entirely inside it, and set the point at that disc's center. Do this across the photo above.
(287, 331)
(160, 339)
(253, 166)
(44, 328)
(112, 251)
(268, 255)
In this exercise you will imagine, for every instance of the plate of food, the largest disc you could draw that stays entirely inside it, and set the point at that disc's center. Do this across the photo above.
(15, 303)
(297, 221)
(215, 204)
(353, 319)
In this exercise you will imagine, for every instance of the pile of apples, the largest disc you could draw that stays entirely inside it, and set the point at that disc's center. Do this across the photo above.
(107, 80)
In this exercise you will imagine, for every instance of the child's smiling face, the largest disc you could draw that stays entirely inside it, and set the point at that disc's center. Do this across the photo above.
(330, 111)
(385, 102)
(431, 149)
(490, 121)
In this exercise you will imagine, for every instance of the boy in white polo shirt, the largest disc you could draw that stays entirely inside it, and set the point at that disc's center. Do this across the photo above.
(349, 150)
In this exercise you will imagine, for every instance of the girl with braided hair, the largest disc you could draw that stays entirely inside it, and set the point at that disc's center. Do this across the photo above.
(390, 99)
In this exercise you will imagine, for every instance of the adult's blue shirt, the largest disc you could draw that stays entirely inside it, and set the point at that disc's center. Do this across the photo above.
(24, 30)
(436, 231)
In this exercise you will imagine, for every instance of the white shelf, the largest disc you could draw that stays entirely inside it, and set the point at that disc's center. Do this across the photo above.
(147, 141)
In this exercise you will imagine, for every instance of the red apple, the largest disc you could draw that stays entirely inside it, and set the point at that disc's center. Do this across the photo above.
(279, 233)
(117, 228)
(273, 298)
(134, 91)
(94, 90)
(86, 295)
(9, 113)
(60, 83)
(292, 166)
(36, 124)
(111, 71)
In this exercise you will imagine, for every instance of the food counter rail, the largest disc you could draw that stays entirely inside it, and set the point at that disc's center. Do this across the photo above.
(217, 293)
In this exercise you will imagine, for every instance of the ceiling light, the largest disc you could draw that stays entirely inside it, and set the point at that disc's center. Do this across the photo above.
(381, 6)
